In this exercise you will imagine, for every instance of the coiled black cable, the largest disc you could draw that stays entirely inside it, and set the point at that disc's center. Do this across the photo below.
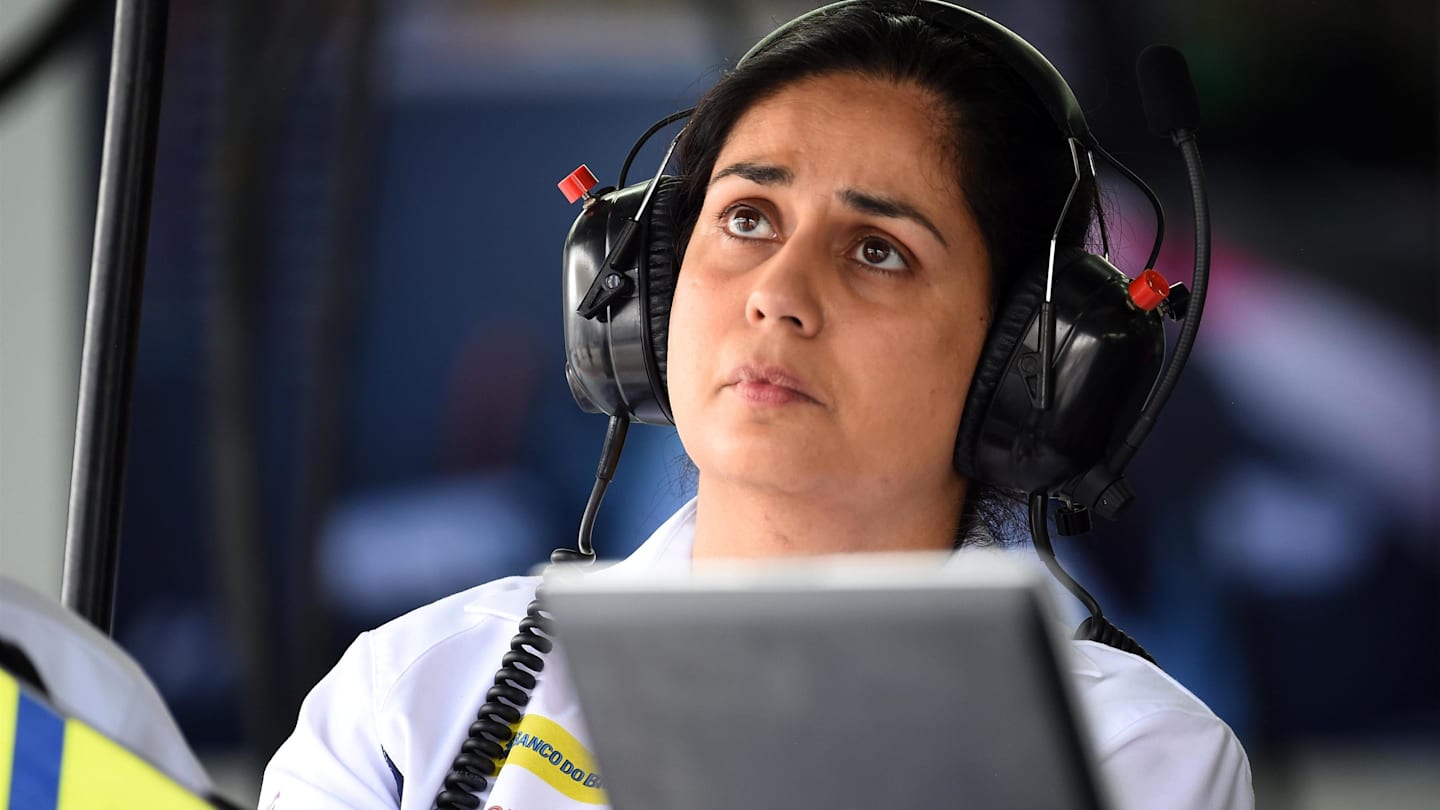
(483, 751)
(1097, 627)
(1104, 631)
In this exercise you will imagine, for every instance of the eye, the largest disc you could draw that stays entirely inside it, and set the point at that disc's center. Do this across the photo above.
(746, 222)
(878, 254)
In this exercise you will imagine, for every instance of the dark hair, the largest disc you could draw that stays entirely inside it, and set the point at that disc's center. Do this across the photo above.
(1012, 162)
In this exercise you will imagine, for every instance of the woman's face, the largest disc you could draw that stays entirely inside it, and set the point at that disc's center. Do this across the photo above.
(832, 301)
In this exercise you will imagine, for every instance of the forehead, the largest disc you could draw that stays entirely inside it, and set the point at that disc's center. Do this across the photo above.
(856, 129)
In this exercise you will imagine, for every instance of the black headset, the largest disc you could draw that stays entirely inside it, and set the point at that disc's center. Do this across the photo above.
(1068, 384)
(1028, 425)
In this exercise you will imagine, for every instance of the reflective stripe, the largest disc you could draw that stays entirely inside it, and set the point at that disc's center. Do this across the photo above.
(9, 705)
(39, 740)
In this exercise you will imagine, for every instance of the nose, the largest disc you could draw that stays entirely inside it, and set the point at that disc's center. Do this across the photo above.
(785, 289)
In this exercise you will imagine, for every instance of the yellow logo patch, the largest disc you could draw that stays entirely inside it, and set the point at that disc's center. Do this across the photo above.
(547, 750)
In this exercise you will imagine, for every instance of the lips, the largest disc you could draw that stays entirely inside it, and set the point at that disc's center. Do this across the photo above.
(769, 385)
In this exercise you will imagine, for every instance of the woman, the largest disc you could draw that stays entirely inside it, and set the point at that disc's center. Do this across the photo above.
(855, 200)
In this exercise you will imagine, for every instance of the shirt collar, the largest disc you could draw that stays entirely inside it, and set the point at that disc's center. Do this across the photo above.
(669, 548)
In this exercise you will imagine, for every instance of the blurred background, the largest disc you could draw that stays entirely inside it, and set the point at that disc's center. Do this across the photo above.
(350, 401)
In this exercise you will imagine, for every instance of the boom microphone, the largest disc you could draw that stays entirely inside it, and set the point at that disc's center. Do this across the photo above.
(1167, 91)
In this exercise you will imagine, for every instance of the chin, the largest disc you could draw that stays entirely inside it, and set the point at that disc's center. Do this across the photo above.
(768, 463)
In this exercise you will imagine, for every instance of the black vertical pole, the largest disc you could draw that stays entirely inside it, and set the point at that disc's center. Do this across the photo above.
(112, 318)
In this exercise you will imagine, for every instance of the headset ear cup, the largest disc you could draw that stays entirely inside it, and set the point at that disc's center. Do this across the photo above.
(1012, 317)
(658, 289)
(1108, 354)
(1012, 321)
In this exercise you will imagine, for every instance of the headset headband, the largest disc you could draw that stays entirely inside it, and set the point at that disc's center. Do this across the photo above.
(1010, 48)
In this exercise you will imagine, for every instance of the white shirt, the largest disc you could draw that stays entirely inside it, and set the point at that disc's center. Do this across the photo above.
(402, 697)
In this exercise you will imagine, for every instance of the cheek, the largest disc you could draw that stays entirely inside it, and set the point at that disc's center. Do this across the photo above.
(960, 357)
(939, 384)
(683, 356)
(927, 378)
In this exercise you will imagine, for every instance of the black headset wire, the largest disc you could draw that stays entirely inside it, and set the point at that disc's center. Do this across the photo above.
(1096, 627)
(1184, 140)
(1159, 209)
(484, 749)
(649, 133)
(584, 550)
(1100, 215)
(1149, 195)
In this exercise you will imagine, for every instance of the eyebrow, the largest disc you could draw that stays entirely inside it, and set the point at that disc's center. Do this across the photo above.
(889, 207)
(763, 173)
(767, 174)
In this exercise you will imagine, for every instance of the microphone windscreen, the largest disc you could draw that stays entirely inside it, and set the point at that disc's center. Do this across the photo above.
(1166, 90)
